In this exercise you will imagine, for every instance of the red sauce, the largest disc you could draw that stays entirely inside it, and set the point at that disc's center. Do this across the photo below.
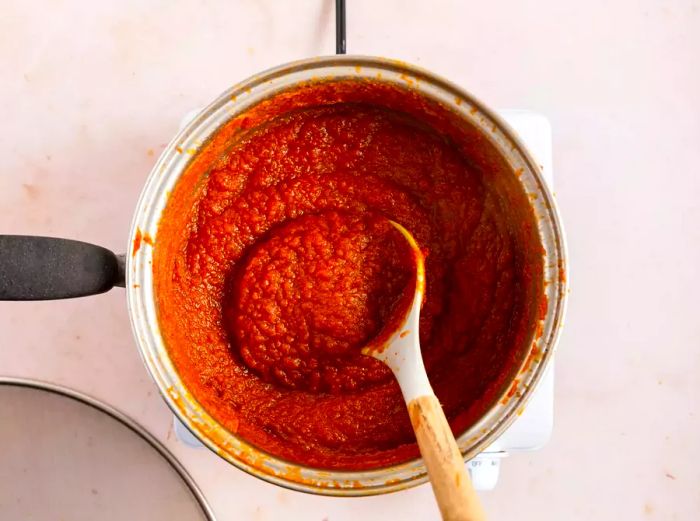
(310, 295)
(275, 265)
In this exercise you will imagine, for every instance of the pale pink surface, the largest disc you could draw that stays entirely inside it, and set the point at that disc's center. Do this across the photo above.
(91, 92)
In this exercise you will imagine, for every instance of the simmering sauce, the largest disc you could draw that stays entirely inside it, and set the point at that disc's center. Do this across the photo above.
(275, 265)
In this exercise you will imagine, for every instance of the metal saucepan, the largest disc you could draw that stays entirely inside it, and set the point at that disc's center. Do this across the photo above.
(45, 268)
(33, 268)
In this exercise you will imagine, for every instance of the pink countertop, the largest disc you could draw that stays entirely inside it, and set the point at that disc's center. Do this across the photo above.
(92, 91)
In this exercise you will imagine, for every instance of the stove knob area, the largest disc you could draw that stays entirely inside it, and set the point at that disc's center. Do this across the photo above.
(484, 469)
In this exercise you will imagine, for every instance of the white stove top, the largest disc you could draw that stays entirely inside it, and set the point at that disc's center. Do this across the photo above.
(534, 427)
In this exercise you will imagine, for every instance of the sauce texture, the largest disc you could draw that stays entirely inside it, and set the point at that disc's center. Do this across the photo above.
(275, 264)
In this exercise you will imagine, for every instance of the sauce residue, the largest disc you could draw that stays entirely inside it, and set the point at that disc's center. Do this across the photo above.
(140, 238)
(137, 242)
(274, 265)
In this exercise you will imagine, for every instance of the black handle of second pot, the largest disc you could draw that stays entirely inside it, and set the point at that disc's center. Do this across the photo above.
(46, 268)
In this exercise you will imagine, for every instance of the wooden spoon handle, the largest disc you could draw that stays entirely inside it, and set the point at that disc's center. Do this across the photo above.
(452, 486)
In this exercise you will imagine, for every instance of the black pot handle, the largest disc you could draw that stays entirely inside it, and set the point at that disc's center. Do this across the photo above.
(46, 268)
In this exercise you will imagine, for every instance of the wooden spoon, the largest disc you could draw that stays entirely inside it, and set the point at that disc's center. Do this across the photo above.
(398, 346)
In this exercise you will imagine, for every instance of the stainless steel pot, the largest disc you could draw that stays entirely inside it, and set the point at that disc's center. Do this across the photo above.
(35, 267)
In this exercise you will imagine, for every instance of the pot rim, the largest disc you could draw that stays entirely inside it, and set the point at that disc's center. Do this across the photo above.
(174, 161)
